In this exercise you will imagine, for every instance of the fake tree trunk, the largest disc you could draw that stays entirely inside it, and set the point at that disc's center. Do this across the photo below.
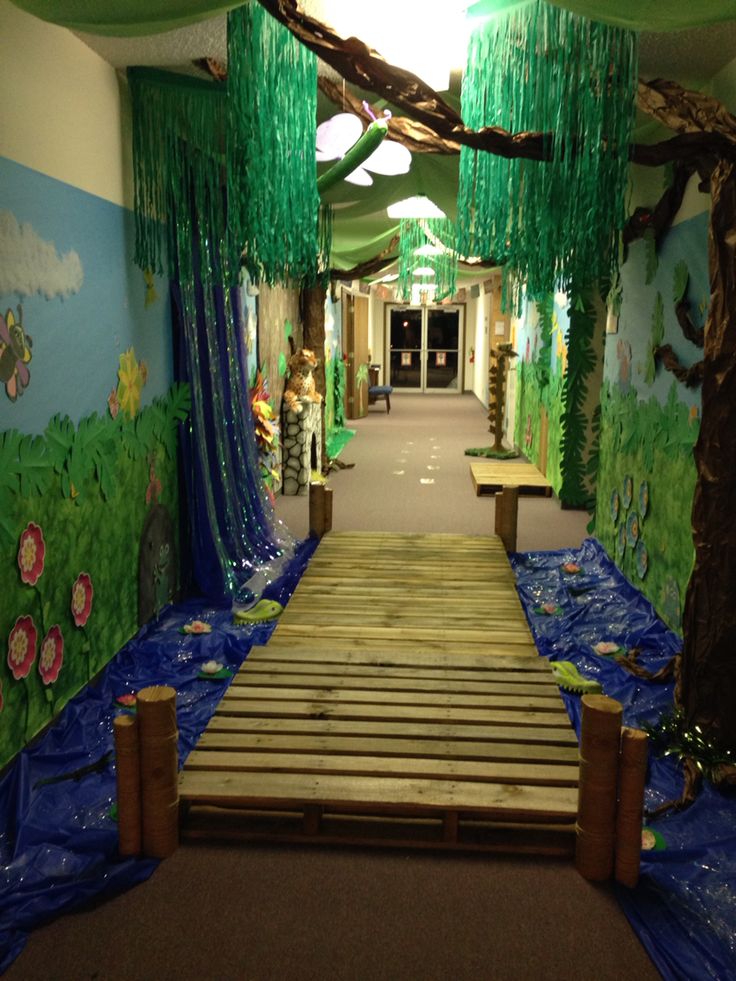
(709, 655)
(313, 305)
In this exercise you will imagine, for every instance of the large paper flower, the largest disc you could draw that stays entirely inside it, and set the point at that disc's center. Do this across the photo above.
(22, 647)
(31, 554)
(129, 384)
(82, 593)
(52, 655)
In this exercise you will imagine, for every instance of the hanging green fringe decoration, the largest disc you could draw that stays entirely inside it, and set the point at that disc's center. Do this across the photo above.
(178, 128)
(435, 239)
(273, 202)
(540, 68)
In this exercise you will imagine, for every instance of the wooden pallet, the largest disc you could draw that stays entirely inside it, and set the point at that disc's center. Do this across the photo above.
(364, 740)
(489, 476)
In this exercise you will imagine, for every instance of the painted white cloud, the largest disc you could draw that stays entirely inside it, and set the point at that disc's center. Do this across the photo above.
(30, 264)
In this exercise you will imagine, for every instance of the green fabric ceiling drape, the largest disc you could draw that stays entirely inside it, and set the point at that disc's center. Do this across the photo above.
(136, 17)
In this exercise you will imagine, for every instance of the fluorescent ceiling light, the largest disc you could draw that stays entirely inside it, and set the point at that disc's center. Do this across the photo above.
(425, 37)
(424, 271)
(419, 206)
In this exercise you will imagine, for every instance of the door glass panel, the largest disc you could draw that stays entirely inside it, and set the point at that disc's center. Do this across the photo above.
(442, 369)
(406, 346)
(442, 330)
(406, 370)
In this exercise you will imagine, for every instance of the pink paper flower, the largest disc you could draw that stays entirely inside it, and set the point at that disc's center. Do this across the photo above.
(605, 647)
(197, 627)
(571, 567)
(211, 667)
(31, 554)
(22, 647)
(82, 593)
(52, 655)
(127, 700)
(549, 608)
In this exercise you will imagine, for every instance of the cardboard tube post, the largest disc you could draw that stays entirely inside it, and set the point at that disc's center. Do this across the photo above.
(128, 781)
(599, 756)
(317, 509)
(507, 515)
(159, 770)
(631, 782)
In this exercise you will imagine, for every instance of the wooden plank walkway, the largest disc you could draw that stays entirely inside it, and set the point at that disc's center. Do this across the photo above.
(489, 476)
(400, 700)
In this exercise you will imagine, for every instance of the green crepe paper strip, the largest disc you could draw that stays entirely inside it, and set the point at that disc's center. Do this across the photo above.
(552, 223)
(273, 203)
(415, 233)
(674, 15)
(178, 128)
(356, 155)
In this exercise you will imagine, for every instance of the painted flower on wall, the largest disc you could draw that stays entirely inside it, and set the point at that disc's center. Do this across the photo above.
(22, 647)
(52, 655)
(31, 554)
(82, 594)
(130, 383)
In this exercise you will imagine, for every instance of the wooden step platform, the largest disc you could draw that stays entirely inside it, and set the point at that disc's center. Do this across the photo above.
(443, 730)
(489, 476)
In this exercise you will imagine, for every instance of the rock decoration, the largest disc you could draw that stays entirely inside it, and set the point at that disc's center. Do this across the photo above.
(301, 446)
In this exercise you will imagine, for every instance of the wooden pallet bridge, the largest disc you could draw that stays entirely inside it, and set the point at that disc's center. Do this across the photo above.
(401, 701)
(490, 476)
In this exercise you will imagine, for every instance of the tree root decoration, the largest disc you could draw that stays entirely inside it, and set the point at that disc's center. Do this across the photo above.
(692, 376)
(629, 663)
(689, 331)
(693, 776)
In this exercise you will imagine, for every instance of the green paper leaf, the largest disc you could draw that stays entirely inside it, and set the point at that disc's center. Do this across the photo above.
(34, 467)
(59, 439)
(283, 367)
(288, 329)
(658, 321)
(680, 279)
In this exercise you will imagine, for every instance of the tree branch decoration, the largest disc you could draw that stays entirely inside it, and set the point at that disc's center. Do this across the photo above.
(664, 354)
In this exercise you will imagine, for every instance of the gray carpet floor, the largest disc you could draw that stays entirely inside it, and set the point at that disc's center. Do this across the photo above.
(291, 913)
(411, 475)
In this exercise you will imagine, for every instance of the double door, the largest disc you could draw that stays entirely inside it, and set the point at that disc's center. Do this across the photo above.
(425, 348)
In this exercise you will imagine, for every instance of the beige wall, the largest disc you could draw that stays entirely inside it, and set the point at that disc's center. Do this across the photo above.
(60, 107)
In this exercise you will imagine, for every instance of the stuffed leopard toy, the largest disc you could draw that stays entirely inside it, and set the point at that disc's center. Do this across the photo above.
(300, 386)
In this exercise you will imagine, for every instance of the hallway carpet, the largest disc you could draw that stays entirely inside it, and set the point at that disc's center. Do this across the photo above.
(411, 474)
(291, 913)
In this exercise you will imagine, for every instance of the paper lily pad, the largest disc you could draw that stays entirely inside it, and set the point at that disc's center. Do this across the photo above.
(643, 499)
(652, 841)
(628, 492)
(222, 675)
(632, 529)
(615, 505)
(641, 558)
(548, 610)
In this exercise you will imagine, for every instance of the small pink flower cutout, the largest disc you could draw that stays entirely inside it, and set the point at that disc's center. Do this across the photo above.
(572, 568)
(52, 655)
(127, 701)
(31, 554)
(22, 647)
(211, 667)
(197, 627)
(82, 594)
(548, 608)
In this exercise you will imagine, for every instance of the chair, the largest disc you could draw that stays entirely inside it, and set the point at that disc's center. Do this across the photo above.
(376, 391)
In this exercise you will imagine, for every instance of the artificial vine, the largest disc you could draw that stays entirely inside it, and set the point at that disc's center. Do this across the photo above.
(581, 361)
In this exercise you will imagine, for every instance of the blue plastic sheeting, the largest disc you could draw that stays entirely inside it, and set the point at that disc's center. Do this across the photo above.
(684, 908)
(58, 843)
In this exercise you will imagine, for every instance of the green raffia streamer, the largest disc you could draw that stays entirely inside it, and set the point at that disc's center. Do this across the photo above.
(178, 128)
(273, 202)
(417, 233)
(553, 223)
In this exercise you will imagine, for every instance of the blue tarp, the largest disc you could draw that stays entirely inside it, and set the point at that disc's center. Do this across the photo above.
(58, 842)
(684, 908)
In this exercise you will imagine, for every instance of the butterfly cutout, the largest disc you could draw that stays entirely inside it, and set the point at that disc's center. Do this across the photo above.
(337, 135)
